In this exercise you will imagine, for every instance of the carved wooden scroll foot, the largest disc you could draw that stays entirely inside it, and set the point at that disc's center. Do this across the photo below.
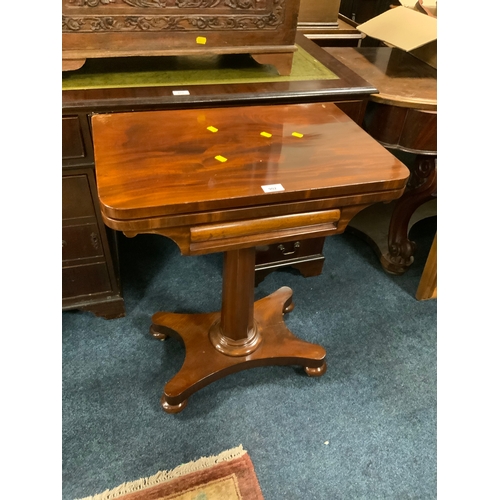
(422, 187)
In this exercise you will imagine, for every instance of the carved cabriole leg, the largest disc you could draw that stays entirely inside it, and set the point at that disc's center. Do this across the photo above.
(422, 187)
(243, 335)
(282, 61)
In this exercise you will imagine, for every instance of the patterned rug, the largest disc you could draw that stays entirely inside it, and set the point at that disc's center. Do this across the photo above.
(228, 476)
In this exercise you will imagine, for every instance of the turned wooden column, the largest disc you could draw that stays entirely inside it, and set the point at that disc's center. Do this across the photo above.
(236, 334)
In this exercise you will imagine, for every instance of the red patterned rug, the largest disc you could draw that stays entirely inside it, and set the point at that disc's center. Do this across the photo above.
(227, 476)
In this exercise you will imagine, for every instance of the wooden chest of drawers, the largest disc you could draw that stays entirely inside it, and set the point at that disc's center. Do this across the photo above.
(89, 271)
(111, 28)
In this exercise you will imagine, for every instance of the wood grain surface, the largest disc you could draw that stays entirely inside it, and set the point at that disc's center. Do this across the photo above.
(165, 162)
(402, 79)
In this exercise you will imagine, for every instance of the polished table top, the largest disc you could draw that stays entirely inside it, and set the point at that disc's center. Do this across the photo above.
(167, 163)
(401, 79)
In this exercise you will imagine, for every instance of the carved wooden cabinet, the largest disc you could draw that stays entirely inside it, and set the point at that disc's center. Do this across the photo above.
(90, 279)
(111, 28)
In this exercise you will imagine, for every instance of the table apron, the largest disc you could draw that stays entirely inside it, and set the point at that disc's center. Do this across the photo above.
(133, 226)
(210, 238)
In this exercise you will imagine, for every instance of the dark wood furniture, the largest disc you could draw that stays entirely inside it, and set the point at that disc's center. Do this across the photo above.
(403, 118)
(123, 28)
(90, 278)
(268, 174)
(348, 90)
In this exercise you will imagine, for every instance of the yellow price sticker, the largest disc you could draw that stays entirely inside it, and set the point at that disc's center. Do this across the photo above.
(221, 158)
(201, 40)
(212, 129)
(297, 134)
(266, 134)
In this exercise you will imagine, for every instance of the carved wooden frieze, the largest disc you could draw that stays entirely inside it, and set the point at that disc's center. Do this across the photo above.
(91, 16)
(235, 4)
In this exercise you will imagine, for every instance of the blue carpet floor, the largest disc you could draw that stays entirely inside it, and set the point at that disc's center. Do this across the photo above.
(365, 430)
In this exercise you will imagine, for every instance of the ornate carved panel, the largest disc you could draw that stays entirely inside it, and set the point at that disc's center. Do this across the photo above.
(94, 16)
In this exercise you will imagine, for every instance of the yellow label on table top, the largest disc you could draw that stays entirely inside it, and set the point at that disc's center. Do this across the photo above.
(297, 134)
(212, 129)
(221, 158)
(266, 134)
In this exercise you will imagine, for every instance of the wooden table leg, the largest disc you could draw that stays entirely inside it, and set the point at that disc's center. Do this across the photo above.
(422, 187)
(427, 288)
(244, 334)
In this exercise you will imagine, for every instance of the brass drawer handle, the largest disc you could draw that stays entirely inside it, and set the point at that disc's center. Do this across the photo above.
(94, 240)
(296, 245)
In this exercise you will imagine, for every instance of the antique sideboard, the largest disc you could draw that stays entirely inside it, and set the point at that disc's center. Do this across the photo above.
(91, 278)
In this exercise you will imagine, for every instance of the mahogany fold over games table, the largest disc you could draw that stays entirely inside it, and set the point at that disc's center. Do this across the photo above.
(227, 180)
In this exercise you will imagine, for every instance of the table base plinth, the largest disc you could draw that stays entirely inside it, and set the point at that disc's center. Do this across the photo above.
(205, 364)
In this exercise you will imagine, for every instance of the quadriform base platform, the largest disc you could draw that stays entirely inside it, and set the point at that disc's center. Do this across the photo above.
(227, 180)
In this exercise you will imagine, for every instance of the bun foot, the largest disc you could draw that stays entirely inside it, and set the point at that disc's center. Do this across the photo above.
(155, 333)
(316, 372)
(160, 332)
(172, 408)
(288, 305)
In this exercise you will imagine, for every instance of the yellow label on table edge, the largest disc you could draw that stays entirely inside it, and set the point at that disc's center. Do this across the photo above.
(201, 40)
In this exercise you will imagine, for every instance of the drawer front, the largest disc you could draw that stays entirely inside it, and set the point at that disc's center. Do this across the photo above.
(290, 250)
(85, 280)
(384, 123)
(420, 131)
(79, 242)
(72, 139)
(76, 197)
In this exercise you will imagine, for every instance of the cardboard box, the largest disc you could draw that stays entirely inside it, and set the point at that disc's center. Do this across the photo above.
(411, 27)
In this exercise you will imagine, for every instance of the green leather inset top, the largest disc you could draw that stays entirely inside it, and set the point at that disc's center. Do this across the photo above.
(124, 72)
